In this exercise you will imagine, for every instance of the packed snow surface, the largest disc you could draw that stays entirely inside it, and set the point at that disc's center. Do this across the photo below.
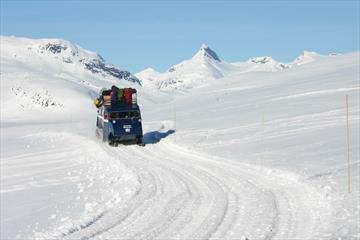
(235, 151)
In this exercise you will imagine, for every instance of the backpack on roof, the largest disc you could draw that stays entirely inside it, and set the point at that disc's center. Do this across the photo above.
(102, 91)
(128, 95)
(114, 94)
(120, 96)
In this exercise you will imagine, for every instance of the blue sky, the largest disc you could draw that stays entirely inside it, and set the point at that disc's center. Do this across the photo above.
(140, 34)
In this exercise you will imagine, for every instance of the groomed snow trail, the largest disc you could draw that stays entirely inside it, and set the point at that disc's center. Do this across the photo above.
(190, 195)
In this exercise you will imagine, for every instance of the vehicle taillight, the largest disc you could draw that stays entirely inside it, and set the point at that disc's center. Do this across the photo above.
(134, 98)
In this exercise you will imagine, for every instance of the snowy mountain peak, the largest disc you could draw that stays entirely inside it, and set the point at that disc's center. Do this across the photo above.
(262, 60)
(90, 60)
(61, 48)
(307, 57)
(206, 52)
(149, 69)
(205, 66)
(149, 74)
(265, 63)
(64, 55)
(310, 53)
(204, 46)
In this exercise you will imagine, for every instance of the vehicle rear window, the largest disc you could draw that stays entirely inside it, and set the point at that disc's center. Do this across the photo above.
(132, 114)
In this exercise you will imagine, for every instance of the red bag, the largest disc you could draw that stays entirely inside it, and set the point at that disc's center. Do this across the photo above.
(128, 95)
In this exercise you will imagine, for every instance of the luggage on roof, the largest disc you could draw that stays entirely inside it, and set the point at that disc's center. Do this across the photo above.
(128, 96)
(98, 102)
(116, 96)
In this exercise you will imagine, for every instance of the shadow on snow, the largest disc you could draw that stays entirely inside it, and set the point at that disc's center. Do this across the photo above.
(156, 136)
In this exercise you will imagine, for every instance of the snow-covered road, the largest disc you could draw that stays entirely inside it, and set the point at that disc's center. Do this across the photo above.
(185, 194)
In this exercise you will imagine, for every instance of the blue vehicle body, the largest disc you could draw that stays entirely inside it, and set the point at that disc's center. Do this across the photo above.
(120, 124)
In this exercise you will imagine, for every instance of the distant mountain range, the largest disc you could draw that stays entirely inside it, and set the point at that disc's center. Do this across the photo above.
(206, 66)
(65, 59)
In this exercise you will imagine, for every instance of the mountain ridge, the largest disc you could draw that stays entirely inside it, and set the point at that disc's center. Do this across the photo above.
(206, 66)
(46, 73)
(66, 52)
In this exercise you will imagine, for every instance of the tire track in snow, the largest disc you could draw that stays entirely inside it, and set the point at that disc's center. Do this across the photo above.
(107, 220)
(157, 225)
(190, 195)
(215, 215)
(217, 228)
(300, 210)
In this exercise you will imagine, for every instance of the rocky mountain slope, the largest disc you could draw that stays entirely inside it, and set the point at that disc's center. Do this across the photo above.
(39, 69)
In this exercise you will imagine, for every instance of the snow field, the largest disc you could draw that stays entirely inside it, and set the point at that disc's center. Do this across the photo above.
(252, 153)
(80, 182)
